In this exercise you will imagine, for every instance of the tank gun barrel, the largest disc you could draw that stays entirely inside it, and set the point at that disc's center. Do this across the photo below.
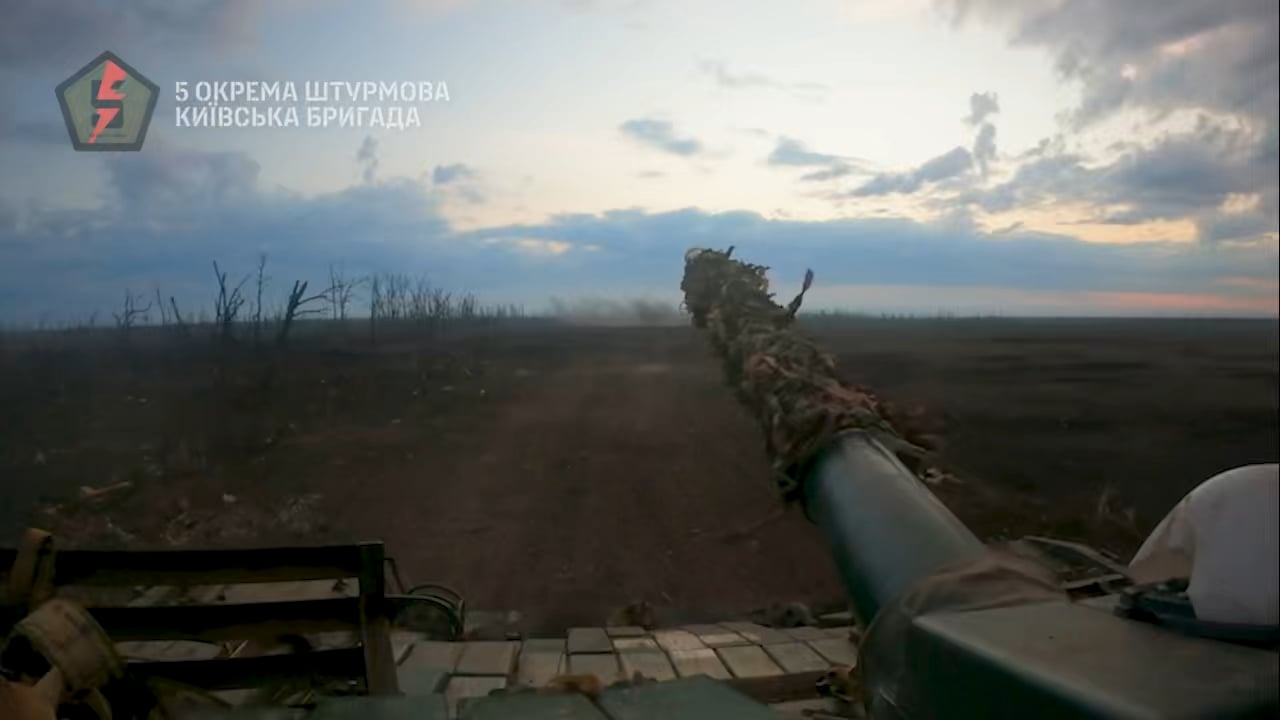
(826, 440)
(885, 529)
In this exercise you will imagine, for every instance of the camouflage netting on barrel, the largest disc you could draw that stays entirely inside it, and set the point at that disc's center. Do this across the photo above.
(788, 383)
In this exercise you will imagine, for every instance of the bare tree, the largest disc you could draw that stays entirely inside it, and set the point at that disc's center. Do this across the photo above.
(375, 307)
(396, 296)
(420, 301)
(341, 292)
(261, 284)
(441, 305)
(131, 312)
(177, 317)
(229, 302)
(159, 304)
(295, 308)
(467, 307)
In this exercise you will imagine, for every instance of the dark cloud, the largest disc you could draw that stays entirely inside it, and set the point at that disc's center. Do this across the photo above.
(720, 73)
(1158, 57)
(34, 32)
(982, 106)
(32, 133)
(1157, 54)
(166, 181)
(984, 147)
(1038, 180)
(367, 159)
(952, 163)
(445, 174)
(1187, 172)
(661, 135)
(1222, 179)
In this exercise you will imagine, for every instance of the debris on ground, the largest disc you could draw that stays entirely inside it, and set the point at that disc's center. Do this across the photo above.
(89, 493)
(840, 682)
(784, 615)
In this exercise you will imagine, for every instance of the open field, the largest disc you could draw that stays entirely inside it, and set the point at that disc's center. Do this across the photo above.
(566, 471)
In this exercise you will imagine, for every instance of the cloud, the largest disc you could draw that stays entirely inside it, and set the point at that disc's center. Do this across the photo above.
(32, 133)
(54, 33)
(532, 246)
(1156, 59)
(984, 148)
(981, 106)
(367, 159)
(661, 135)
(1186, 173)
(721, 75)
(445, 174)
(1222, 179)
(834, 172)
(790, 152)
(955, 161)
(471, 194)
(643, 249)
(1155, 54)
(166, 181)
(459, 181)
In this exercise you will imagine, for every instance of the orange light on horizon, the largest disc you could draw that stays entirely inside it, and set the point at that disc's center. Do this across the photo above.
(1183, 301)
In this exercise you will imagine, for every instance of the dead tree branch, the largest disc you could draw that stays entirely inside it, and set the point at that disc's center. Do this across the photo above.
(261, 284)
(159, 304)
(341, 292)
(177, 317)
(229, 302)
(131, 312)
(295, 308)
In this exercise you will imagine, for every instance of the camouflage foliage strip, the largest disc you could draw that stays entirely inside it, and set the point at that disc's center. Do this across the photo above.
(788, 383)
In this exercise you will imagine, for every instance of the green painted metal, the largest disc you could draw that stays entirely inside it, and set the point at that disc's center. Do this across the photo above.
(885, 529)
(532, 706)
(422, 707)
(422, 681)
(1062, 660)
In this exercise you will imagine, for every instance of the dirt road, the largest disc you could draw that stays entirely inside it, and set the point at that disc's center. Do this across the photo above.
(603, 475)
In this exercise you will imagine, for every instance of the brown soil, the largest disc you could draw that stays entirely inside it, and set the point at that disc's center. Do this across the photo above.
(565, 472)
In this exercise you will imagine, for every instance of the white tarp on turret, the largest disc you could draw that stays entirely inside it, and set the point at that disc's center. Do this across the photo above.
(1225, 537)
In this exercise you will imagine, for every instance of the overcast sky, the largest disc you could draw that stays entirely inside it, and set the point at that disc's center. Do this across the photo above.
(1063, 157)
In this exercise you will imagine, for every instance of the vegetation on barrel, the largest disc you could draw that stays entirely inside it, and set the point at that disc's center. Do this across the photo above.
(787, 381)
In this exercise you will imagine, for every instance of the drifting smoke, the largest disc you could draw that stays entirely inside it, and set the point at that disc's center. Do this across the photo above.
(604, 311)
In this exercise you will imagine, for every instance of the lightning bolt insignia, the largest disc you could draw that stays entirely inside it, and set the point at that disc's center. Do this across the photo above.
(111, 75)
